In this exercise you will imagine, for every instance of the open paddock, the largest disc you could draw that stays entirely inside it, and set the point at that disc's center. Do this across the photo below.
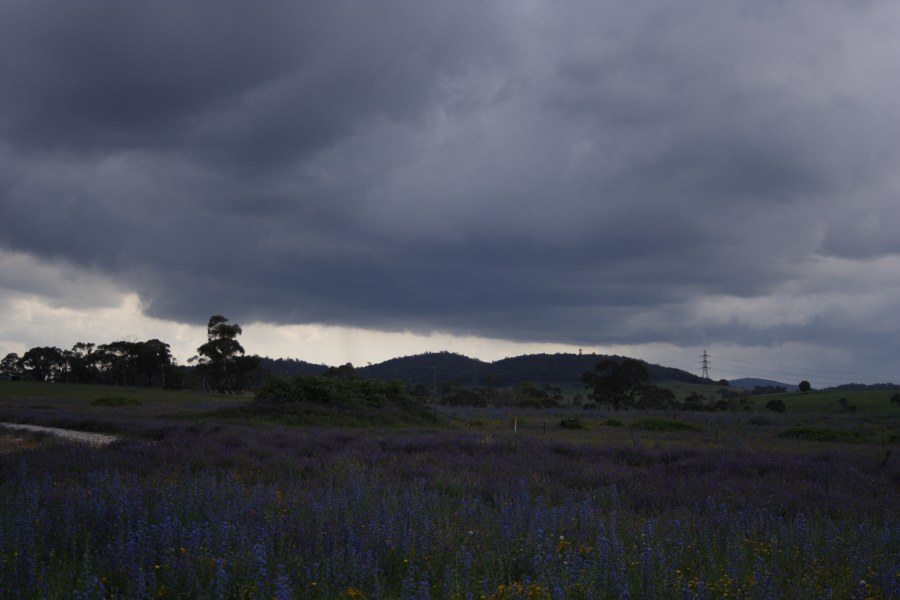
(497, 505)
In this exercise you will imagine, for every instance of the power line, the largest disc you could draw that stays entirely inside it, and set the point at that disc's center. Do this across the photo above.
(827, 375)
(766, 370)
(740, 362)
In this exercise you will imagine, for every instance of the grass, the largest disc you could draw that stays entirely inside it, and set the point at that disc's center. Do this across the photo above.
(867, 402)
(35, 393)
(116, 401)
(821, 434)
(228, 501)
(102, 401)
(662, 424)
(571, 423)
(73, 405)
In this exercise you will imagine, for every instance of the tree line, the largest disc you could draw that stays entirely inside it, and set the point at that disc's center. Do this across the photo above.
(121, 362)
(220, 365)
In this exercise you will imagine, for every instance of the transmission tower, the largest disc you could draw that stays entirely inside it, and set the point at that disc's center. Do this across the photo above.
(705, 374)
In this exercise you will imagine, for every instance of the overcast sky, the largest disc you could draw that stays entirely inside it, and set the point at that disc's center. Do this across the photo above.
(353, 180)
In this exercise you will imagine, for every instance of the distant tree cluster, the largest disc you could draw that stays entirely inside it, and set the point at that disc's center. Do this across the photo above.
(117, 363)
(768, 389)
(623, 384)
(290, 367)
(221, 363)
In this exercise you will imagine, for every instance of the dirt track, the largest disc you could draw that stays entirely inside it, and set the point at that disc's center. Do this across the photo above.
(86, 437)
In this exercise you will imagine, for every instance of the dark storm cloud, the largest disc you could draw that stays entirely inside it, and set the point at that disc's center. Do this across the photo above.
(582, 172)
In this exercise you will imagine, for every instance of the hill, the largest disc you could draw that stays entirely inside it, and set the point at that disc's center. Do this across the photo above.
(441, 368)
(568, 368)
(430, 368)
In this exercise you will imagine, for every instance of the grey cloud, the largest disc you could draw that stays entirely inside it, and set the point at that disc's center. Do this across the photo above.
(864, 234)
(581, 172)
(122, 75)
(129, 75)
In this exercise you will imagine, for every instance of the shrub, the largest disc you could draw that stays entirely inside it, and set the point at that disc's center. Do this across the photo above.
(276, 390)
(306, 400)
(573, 423)
(325, 390)
(776, 405)
(613, 423)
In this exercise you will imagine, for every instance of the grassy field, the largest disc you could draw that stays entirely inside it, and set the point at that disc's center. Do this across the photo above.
(195, 501)
(869, 402)
(103, 408)
(872, 402)
(58, 395)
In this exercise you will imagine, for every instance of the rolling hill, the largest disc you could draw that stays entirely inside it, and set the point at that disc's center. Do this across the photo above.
(441, 368)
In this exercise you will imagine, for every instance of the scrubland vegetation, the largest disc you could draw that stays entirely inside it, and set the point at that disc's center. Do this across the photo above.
(212, 496)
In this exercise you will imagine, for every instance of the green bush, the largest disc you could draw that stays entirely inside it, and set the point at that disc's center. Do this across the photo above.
(573, 423)
(276, 390)
(325, 390)
(306, 400)
(776, 405)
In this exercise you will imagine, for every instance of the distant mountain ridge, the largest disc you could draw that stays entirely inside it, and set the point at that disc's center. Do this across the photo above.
(441, 368)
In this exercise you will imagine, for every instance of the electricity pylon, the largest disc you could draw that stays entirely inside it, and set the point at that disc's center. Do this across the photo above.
(705, 374)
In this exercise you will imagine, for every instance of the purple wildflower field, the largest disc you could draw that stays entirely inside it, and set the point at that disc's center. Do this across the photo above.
(234, 511)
